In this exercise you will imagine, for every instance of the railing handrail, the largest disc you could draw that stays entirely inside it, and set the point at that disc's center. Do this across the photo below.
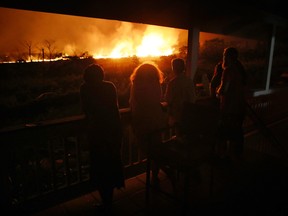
(265, 131)
(57, 121)
(61, 130)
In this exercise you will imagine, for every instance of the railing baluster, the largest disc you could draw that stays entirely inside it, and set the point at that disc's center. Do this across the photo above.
(67, 159)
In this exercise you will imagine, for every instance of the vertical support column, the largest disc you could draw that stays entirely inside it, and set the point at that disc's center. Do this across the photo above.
(270, 61)
(193, 50)
(192, 55)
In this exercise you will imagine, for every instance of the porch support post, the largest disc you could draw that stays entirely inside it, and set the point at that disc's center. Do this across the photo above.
(192, 54)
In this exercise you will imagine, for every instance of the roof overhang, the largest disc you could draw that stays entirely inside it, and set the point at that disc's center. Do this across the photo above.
(220, 18)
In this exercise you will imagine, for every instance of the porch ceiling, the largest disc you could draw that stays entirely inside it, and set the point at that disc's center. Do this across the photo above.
(219, 17)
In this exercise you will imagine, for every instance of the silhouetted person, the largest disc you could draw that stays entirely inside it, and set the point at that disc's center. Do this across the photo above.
(180, 90)
(232, 93)
(100, 105)
(146, 111)
(215, 82)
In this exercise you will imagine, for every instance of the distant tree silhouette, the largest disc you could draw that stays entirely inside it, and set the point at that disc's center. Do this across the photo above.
(28, 45)
(50, 45)
(41, 52)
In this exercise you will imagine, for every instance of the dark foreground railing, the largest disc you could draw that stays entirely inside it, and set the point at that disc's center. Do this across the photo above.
(46, 163)
(266, 123)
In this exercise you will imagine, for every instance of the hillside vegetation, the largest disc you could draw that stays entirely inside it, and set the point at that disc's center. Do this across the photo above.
(38, 91)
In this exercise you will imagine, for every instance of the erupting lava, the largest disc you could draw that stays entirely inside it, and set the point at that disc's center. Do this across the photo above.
(56, 36)
(155, 41)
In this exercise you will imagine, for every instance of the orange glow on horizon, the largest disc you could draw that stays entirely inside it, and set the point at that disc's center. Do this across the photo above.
(74, 35)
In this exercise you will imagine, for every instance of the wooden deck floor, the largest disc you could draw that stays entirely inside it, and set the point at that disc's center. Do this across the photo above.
(258, 186)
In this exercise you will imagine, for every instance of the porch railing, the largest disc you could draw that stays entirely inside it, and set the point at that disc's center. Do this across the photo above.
(48, 162)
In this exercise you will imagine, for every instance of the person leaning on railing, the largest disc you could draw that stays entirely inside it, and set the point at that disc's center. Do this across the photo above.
(146, 110)
(232, 94)
(180, 91)
(99, 102)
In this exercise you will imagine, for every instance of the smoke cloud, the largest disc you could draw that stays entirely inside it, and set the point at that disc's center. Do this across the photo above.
(72, 34)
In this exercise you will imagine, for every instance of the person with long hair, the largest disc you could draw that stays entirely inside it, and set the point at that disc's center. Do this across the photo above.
(145, 103)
